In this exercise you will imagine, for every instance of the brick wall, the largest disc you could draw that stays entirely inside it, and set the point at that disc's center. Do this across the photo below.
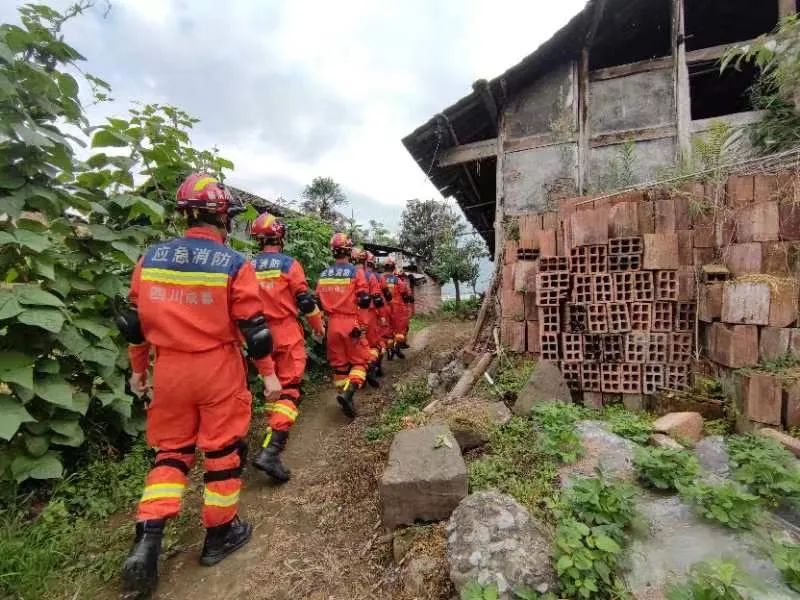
(427, 297)
(618, 289)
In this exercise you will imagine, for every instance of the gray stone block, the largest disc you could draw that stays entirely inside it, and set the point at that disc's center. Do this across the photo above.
(422, 482)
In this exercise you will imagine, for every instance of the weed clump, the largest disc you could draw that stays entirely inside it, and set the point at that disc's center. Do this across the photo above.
(666, 468)
(765, 468)
(713, 580)
(409, 399)
(724, 503)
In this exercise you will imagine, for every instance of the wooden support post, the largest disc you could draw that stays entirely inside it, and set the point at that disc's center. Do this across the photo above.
(584, 132)
(786, 8)
(481, 87)
(683, 100)
(464, 169)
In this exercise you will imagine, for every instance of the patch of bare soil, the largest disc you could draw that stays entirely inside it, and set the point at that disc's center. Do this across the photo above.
(320, 535)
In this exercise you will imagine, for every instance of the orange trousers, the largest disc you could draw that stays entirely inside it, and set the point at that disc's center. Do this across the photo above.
(200, 400)
(348, 356)
(400, 321)
(289, 354)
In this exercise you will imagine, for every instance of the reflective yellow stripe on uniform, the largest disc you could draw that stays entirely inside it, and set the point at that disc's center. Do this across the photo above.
(158, 491)
(270, 274)
(337, 281)
(358, 373)
(184, 277)
(283, 409)
(341, 383)
(212, 498)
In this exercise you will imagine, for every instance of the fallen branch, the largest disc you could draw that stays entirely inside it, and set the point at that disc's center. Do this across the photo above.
(465, 383)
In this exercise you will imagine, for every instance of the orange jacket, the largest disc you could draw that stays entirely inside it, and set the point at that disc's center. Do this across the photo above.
(339, 287)
(190, 292)
(281, 279)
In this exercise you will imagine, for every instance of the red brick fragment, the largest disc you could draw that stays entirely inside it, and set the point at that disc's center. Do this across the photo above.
(685, 247)
(589, 227)
(774, 343)
(709, 304)
(762, 398)
(742, 259)
(733, 346)
(665, 215)
(741, 190)
(660, 251)
(532, 329)
(514, 335)
(757, 223)
(623, 219)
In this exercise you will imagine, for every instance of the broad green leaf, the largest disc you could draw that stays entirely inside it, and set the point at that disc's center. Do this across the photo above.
(56, 391)
(564, 563)
(6, 55)
(105, 138)
(32, 240)
(606, 544)
(10, 180)
(12, 415)
(100, 356)
(68, 85)
(129, 250)
(93, 327)
(103, 233)
(123, 406)
(45, 267)
(80, 403)
(9, 307)
(69, 430)
(7, 238)
(31, 136)
(109, 285)
(36, 445)
(16, 367)
(49, 319)
(42, 467)
(35, 296)
(48, 365)
(73, 341)
(145, 206)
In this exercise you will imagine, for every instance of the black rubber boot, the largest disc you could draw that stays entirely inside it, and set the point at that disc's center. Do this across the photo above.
(268, 459)
(224, 540)
(140, 570)
(345, 400)
(390, 353)
(372, 376)
(405, 346)
(398, 351)
(379, 367)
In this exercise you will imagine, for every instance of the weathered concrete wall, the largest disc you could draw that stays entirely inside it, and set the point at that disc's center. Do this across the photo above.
(650, 159)
(633, 102)
(533, 111)
(428, 297)
(527, 174)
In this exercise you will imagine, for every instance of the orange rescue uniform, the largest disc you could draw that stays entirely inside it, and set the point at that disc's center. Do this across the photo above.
(190, 292)
(338, 289)
(281, 279)
(399, 312)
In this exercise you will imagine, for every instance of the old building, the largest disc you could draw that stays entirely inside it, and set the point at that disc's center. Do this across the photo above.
(622, 71)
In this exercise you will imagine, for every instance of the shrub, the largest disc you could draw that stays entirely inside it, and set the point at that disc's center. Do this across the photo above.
(409, 398)
(557, 422)
(765, 468)
(635, 426)
(724, 503)
(666, 468)
(786, 557)
(713, 580)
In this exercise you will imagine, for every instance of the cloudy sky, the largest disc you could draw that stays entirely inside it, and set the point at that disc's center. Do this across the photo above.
(291, 89)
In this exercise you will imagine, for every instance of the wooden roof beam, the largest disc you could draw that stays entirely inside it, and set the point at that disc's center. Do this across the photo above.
(466, 153)
(481, 87)
(448, 128)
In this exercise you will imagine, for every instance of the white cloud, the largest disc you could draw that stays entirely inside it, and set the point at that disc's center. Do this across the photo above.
(290, 89)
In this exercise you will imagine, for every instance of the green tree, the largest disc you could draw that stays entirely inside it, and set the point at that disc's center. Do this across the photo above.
(425, 224)
(457, 261)
(377, 233)
(322, 197)
(70, 234)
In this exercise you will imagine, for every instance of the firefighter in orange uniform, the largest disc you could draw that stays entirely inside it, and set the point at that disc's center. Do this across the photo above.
(194, 301)
(398, 289)
(381, 309)
(369, 317)
(407, 296)
(285, 292)
(343, 290)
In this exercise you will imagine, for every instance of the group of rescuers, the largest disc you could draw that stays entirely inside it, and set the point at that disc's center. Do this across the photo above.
(194, 305)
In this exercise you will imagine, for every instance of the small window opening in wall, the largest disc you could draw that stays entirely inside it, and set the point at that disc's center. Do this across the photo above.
(716, 22)
(716, 94)
(637, 30)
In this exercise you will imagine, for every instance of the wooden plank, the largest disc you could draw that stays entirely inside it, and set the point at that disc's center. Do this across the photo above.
(644, 66)
(683, 100)
(787, 8)
(584, 132)
(466, 153)
(712, 53)
(637, 135)
(540, 140)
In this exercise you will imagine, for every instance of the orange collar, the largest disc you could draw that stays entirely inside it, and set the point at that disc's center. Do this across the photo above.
(204, 233)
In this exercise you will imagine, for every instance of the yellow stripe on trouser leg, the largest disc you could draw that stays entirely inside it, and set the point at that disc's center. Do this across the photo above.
(283, 409)
(267, 438)
(212, 498)
(159, 491)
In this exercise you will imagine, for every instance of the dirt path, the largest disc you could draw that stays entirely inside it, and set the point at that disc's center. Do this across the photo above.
(319, 536)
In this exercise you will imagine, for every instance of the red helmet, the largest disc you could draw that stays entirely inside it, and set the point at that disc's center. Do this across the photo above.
(341, 245)
(359, 255)
(203, 192)
(268, 228)
(370, 260)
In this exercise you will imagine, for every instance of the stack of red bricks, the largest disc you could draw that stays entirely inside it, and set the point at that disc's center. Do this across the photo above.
(608, 287)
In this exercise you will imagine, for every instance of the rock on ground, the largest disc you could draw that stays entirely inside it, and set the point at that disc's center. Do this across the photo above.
(446, 377)
(546, 384)
(494, 539)
(471, 420)
(417, 572)
(660, 440)
(605, 450)
(678, 538)
(792, 444)
(681, 426)
(712, 454)
(425, 477)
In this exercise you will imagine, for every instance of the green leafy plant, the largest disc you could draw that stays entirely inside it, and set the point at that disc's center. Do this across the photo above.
(619, 172)
(666, 468)
(724, 503)
(717, 427)
(557, 422)
(786, 557)
(765, 467)
(713, 580)
(597, 501)
(636, 426)
(409, 398)
(511, 376)
(476, 591)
